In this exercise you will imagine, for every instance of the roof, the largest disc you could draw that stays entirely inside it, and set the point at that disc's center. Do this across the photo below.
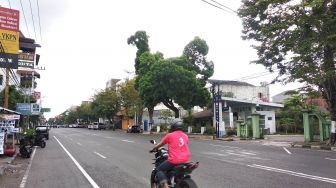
(229, 82)
(203, 114)
(234, 101)
(28, 72)
(2, 109)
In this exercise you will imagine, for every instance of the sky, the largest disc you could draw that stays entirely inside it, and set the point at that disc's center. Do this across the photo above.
(84, 42)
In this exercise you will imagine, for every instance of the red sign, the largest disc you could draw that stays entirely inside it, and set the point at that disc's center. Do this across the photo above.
(37, 95)
(9, 19)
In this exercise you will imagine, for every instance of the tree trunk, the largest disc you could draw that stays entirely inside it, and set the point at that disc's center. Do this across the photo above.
(169, 104)
(150, 114)
(329, 93)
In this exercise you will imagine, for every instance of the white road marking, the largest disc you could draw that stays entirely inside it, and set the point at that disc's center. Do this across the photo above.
(87, 176)
(330, 159)
(25, 177)
(224, 146)
(79, 143)
(127, 141)
(95, 134)
(287, 150)
(100, 155)
(298, 174)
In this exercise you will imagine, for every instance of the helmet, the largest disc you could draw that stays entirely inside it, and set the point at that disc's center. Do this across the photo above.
(176, 124)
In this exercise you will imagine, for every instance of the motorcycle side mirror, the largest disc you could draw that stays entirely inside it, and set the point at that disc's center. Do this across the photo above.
(153, 141)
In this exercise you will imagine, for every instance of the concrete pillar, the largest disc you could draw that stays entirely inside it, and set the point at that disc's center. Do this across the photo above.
(306, 127)
(321, 128)
(255, 126)
(202, 130)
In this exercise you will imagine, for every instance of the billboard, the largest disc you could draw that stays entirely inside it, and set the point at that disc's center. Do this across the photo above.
(9, 38)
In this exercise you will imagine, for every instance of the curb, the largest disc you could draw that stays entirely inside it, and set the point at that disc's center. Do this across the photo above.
(329, 148)
(4, 166)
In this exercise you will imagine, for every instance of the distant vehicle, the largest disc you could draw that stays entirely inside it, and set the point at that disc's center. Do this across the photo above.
(135, 129)
(101, 126)
(90, 126)
(95, 126)
(43, 131)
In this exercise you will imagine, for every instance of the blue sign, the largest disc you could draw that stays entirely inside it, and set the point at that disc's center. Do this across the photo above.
(23, 108)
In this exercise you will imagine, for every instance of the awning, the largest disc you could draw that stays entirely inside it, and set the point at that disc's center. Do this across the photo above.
(28, 72)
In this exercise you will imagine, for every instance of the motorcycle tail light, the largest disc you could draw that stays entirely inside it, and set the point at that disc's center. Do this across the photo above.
(193, 166)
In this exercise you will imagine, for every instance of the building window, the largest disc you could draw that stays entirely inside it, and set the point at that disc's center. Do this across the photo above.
(1, 80)
(269, 118)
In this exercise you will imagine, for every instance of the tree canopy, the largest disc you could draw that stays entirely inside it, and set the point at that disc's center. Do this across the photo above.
(178, 80)
(297, 39)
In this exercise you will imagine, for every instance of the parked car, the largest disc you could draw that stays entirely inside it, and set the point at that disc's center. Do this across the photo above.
(101, 126)
(90, 126)
(43, 130)
(135, 129)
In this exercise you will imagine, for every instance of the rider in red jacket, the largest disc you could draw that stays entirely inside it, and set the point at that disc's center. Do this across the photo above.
(178, 151)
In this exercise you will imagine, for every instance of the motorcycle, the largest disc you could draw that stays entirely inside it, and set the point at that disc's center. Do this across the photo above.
(25, 148)
(178, 177)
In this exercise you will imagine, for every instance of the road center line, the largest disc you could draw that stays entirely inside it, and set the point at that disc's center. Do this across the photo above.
(127, 141)
(79, 143)
(287, 150)
(330, 159)
(25, 177)
(298, 174)
(100, 155)
(87, 176)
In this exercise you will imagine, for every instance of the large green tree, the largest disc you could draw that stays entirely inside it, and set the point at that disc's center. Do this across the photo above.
(296, 38)
(178, 80)
(106, 103)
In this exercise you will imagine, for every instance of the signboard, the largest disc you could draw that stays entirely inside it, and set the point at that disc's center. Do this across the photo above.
(23, 108)
(9, 42)
(45, 109)
(9, 38)
(9, 19)
(37, 95)
(2, 138)
(35, 109)
(26, 60)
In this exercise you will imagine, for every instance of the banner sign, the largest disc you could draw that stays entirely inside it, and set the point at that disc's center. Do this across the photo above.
(9, 116)
(8, 61)
(28, 108)
(2, 138)
(9, 37)
(26, 64)
(35, 109)
(26, 57)
(9, 41)
(26, 60)
(23, 108)
(9, 19)
(37, 95)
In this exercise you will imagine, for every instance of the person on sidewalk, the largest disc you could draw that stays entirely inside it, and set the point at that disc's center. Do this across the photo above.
(178, 151)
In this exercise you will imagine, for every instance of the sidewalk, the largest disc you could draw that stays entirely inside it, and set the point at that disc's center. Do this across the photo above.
(6, 161)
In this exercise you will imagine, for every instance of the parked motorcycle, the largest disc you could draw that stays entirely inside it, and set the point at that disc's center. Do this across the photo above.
(178, 177)
(25, 148)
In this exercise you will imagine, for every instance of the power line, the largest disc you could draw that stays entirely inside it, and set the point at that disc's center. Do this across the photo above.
(218, 7)
(224, 6)
(38, 11)
(31, 10)
(24, 16)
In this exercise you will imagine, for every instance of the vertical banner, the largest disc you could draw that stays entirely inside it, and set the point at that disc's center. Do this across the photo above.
(2, 138)
(9, 37)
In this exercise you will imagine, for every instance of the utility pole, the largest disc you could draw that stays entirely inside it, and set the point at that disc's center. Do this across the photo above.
(6, 89)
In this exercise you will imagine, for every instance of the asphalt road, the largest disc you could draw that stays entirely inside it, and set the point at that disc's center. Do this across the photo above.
(82, 158)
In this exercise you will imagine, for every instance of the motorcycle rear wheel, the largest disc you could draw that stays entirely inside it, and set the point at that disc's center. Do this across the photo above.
(43, 144)
(187, 183)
